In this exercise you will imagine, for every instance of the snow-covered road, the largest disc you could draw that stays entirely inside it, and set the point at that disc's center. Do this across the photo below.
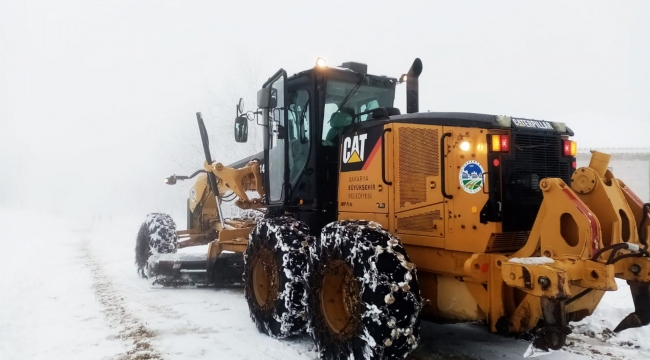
(69, 290)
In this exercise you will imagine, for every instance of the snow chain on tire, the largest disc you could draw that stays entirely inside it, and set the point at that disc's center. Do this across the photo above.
(367, 271)
(157, 235)
(274, 262)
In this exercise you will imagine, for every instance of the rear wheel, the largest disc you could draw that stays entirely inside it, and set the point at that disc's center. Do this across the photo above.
(273, 273)
(157, 235)
(364, 298)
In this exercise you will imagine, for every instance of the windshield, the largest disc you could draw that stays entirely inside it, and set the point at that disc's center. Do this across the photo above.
(365, 98)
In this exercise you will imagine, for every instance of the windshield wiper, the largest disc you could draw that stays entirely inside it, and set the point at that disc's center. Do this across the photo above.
(348, 96)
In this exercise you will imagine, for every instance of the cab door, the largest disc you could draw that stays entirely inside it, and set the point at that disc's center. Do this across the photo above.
(275, 143)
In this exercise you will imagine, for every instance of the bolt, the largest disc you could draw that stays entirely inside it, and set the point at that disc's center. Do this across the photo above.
(512, 276)
(635, 269)
(547, 253)
(594, 274)
(544, 282)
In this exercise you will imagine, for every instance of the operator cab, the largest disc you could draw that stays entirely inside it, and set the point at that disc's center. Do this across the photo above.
(303, 116)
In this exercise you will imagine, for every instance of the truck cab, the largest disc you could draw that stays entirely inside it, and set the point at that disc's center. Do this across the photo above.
(303, 116)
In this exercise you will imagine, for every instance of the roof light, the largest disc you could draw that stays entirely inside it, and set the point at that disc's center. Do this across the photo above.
(465, 145)
(403, 78)
(320, 62)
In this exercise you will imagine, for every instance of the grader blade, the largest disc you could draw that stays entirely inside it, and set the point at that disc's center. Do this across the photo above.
(641, 315)
(191, 269)
(178, 269)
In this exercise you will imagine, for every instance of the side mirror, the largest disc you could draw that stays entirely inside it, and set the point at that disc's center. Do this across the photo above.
(263, 97)
(267, 98)
(241, 129)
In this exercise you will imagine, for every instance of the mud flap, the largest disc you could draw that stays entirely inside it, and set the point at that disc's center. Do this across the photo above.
(641, 315)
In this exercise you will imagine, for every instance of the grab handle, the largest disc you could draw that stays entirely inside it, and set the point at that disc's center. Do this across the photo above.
(442, 163)
(383, 158)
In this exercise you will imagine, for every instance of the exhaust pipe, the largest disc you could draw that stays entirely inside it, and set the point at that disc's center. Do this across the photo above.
(412, 97)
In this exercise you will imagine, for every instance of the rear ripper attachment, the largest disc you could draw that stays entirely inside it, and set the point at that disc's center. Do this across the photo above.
(585, 235)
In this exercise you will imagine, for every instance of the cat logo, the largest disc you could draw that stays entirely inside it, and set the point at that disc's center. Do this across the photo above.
(353, 148)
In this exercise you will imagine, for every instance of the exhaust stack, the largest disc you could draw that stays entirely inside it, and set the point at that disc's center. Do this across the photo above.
(412, 97)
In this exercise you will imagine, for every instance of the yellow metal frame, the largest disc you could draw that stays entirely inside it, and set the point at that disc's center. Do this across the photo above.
(461, 279)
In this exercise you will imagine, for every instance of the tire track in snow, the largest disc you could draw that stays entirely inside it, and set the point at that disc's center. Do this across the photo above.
(129, 327)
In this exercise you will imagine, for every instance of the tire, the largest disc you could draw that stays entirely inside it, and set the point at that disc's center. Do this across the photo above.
(157, 235)
(274, 261)
(364, 299)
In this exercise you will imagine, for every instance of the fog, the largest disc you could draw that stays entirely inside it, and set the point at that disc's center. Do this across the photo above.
(98, 98)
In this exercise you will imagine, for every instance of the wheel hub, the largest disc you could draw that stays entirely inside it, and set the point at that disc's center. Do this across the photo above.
(265, 279)
(339, 300)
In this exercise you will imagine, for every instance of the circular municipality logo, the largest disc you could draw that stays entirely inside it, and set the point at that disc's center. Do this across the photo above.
(471, 177)
(193, 195)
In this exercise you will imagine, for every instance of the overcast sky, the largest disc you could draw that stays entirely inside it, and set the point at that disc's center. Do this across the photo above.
(97, 98)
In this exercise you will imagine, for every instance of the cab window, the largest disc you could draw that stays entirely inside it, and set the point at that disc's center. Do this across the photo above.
(298, 132)
(343, 100)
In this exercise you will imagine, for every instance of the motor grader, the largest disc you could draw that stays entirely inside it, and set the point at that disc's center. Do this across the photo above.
(367, 220)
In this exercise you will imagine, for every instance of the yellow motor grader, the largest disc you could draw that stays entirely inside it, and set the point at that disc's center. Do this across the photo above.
(352, 197)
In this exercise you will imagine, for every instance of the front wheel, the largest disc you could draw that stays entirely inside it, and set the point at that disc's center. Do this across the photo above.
(363, 294)
(273, 264)
(157, 235)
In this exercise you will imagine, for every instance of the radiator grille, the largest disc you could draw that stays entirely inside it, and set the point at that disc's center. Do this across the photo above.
(503, 242)
(419, 222)
(534, 157)
(418, 158)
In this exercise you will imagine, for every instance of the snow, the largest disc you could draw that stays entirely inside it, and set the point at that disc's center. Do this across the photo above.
(47, 305)
(532, 260)
(70, 290)
(57, 288)
(597, 328)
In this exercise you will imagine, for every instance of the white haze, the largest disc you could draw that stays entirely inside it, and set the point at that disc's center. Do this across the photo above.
(97, 98)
